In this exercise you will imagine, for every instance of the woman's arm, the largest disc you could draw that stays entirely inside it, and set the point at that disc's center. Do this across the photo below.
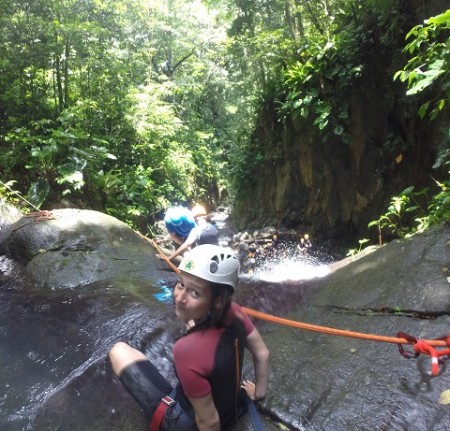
(206, 414)
(186, 244)
(255, 344)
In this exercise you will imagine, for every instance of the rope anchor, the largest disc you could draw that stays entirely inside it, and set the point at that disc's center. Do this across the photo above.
(438, 357)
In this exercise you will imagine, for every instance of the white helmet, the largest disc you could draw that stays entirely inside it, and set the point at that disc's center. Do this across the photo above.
(212, 263)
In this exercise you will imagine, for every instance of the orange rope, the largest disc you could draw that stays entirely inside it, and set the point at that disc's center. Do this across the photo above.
(171, 265)
(333, 331)
(316, 328)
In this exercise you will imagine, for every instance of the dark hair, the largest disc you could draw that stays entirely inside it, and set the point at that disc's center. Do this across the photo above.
(215, 317)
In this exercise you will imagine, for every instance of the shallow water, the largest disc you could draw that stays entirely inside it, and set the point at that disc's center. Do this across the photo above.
(53, 348)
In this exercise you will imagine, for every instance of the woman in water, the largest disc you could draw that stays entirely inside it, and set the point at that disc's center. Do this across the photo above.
(208, 358)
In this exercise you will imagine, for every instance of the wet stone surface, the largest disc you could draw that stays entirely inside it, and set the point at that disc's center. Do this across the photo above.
(54, 341)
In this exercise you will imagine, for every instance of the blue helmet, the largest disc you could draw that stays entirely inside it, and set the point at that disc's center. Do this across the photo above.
(179, 221)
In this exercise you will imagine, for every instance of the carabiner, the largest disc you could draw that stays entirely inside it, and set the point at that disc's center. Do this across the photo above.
(407, 353)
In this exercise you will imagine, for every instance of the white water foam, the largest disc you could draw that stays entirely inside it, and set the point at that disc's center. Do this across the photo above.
(290, 269)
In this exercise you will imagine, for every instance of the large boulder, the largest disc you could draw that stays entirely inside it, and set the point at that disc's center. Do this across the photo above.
(66, 248)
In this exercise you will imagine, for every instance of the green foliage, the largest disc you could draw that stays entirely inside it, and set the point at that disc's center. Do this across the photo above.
(38, 192)
(439, 207)
(404, 216)
(117, 105)
(13, 197)
(332, 59)
(429, 64)
(356, 251)
(312, 87)
(8, 194)
(131, 106)
(307, 57)
(55, 154)
(427, 71)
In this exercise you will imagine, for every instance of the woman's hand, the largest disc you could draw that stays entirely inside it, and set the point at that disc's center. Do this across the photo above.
(249, 387)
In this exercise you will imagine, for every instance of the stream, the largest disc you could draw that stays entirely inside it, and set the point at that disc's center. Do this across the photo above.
(90, 281)
(53, 344)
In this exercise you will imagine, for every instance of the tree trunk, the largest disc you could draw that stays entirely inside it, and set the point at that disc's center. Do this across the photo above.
(66, 75)
(289, 20)
(59, 86)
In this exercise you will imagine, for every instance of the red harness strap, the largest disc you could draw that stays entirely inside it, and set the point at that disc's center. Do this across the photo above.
(160, 411)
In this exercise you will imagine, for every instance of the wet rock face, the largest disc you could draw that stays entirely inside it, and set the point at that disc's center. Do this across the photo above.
(340, 383)
(404, 275)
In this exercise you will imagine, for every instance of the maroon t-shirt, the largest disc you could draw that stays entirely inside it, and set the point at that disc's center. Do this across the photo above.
(194, 354)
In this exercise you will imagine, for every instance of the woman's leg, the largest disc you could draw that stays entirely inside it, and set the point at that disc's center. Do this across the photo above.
(139, 376)
(122, 355)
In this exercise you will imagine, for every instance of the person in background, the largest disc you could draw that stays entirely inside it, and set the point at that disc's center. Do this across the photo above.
(199, 213)
(208, 358)
(186, 232)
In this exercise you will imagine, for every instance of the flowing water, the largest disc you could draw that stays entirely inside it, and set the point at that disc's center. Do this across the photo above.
(54, 371)
(55, 375)
(53, 349)
(289, 262)
(279, 270)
